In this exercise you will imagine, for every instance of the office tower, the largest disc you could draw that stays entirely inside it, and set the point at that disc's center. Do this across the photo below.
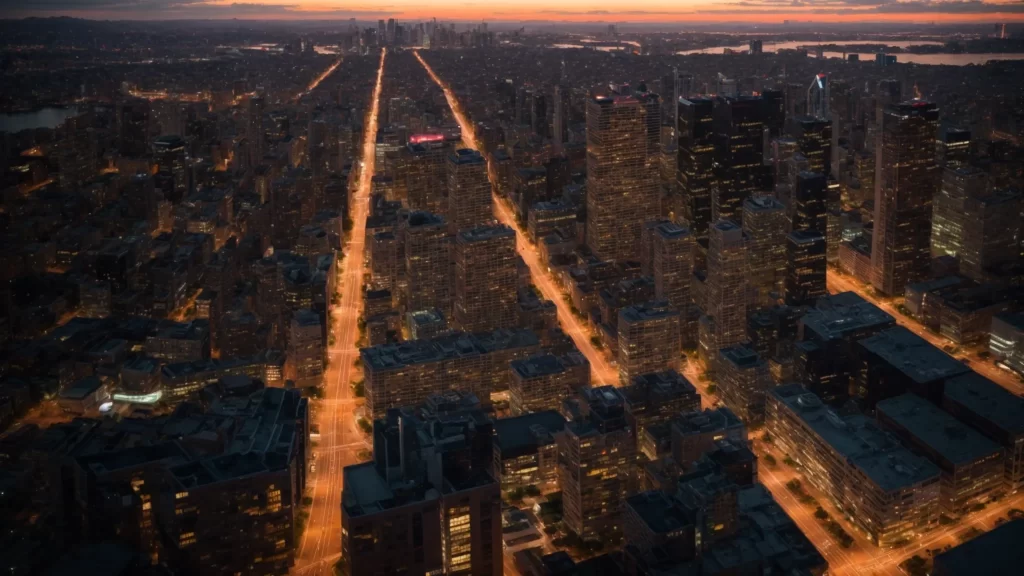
(971, 465)
(774, 104)
(256, 135)
(684, 88)
(390, 31)
(890, 507)
(539, 115)
(756, 47)
(888, 92)
(427, 502)
(542, 382)
(765, 225)
(743, 380)
(485, 278)
(306, 349)
(806, 265)
(992, 234)
(726, 287)
(648, 338)
(814, 140)
(652, 120)
(949, 208)
(672, 265)
(695, 164)
(905, 184)
(171, 157)
(133, 127)
(385, 264)
(469, 191)
(427, 263)
(596, 455)
(422, 174)
(895, 361)
(739, 155)
(726, 87)
(952, 147)
(809, 210)
(382, 32)
(622, 187)
(560, 125)
(818, 99)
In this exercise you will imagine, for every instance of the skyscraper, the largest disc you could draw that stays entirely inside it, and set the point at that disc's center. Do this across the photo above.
(726, 288)
(810, 203)
(806, 266)
(739, 155)
(765, 225)
(949, 208)
(672, 265)
(814, 140)
(818, 97)
(427, 263)
(622, 186)
(485, 278)
(421, 174)
(469, 191)
(648, 338)
(695, 166)
(906, 182)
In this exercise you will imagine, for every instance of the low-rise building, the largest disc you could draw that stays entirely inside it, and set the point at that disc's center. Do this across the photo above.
(888, 491)
(971, 464)
(995, 412)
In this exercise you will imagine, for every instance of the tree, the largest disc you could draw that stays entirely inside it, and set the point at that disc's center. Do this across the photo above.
(770, 460)
(359, 388)
(365, 426)
(915, 566)
(532, 491)
(820, 513)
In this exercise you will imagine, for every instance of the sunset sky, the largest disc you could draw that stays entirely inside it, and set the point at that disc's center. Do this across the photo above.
(674, 11)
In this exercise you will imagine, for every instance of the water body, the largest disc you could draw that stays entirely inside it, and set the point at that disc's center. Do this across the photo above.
(930, 59)
(42, 118)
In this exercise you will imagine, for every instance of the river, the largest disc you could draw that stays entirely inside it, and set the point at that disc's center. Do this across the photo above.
(50, 117)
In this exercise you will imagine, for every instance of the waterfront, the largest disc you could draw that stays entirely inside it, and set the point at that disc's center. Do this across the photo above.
(902, 57)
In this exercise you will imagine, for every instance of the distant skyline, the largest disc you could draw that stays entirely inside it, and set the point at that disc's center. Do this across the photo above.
(669, 12)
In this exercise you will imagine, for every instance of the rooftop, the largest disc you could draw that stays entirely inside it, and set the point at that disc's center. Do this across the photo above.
(658, 512)
(954, 441)
(988, 400)
(466, 156)
(484, 233)
(645, 312)
(721, 418)
(834, 317)
(913, 355)
(523, 434)
(454, 345)
(860, 440)
(537, 366)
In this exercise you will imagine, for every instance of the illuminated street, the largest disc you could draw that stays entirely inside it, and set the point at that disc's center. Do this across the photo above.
(340, 439)
(602, 372)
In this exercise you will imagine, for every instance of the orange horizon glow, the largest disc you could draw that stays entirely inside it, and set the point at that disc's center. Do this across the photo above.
(671, 13)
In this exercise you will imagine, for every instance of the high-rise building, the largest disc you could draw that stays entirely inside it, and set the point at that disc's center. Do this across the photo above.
(806, 265)
(420, 178)
(171, 157)
(818, 99)
(427, 263)
(649, 340)
(992, 234)
(809, 210)
(306, 349)
(485, 278)
(427, 502)
(726, 288)
(256, 134)
(743, 381)
(596, 455)
(672, 265)
(765, 225)
(469, 191)
(656, 399)
(543, 381)
(814, 140)
(905, 184)
(695, 164)
(952, 147)
(739, 155)
(560, 124)
(949, 208)
(622, 186)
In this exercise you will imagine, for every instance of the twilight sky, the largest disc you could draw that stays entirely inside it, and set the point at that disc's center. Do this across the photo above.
(667, 11)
